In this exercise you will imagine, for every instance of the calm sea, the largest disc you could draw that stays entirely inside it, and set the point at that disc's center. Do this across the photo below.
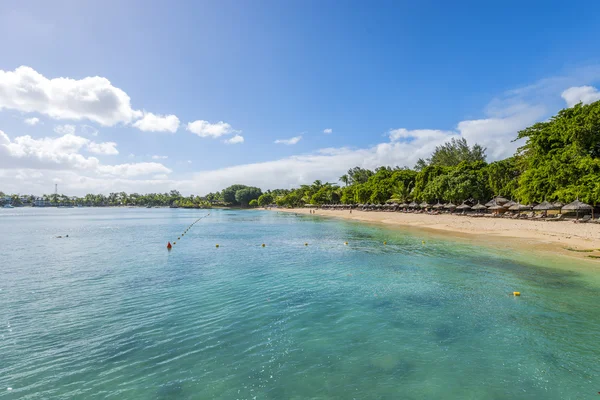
(109, 313)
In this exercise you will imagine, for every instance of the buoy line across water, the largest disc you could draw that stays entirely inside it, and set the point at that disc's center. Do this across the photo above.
(170, 246)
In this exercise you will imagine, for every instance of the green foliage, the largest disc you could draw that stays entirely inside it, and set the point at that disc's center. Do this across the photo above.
(452, 153)
(253, 203)
(265, 199)
(228, 194)
(245, 195)
(561, 158)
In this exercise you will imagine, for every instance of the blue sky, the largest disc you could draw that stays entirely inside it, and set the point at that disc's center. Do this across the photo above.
(390, 79)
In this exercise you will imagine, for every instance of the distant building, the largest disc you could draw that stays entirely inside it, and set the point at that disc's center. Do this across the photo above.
(40, 202)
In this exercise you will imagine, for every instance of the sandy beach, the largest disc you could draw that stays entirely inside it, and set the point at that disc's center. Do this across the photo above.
(561, 237)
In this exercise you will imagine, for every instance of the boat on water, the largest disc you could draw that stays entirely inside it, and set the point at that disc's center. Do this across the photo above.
(9, 206)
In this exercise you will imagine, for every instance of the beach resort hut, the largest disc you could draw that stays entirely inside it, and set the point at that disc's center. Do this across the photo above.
(413, 205)
(425, 205)
(577, 206)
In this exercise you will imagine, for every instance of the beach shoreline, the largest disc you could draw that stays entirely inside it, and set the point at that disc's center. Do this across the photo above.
(562, 238)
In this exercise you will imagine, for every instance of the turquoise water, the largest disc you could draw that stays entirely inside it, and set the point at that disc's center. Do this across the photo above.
(110, 313)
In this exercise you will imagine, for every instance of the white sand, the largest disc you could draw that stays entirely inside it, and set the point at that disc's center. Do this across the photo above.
(535, 234)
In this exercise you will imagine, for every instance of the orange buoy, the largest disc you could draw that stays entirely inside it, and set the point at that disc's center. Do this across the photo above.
(169, 245)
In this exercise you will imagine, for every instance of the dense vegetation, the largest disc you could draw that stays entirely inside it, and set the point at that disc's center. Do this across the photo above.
(560, 161)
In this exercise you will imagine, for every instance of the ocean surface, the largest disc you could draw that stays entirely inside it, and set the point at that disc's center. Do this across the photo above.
(109, 313)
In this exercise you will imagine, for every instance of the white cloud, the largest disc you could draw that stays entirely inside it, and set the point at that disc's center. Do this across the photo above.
(133, 170)
(206, 129)
(235, 140)
(580, 94)
(65, 129)
(157, 157)
(289, 141)
(92, 98)
(88, 130)
(157, 123)
(62, 153)
(327, 131)
(32, 121)
(106, 148)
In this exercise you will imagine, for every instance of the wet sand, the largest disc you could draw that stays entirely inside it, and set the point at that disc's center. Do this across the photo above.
(560, 237)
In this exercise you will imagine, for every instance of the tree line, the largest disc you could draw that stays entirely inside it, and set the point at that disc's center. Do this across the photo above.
(559, 161)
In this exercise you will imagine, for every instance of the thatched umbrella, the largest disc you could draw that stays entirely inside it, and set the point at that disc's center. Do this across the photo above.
(520, 207)
(509, 204)
(402, 205)
(498, 200)
(464, 206)
(577, 206)
(424, 205)
(438, 206)
(544, 206)
(558, 204)
(450, 206)
(413, 205)
(479, 207)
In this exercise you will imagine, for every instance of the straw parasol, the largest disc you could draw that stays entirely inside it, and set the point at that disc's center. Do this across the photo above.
(413, 205)
(509, 204)
(438, 206)
(577, 206)
(498, 200)
(545, 205)
(402, 205)
(520, 207)
(479, 206)
(450, 206)
(464, 206)
(424, 204)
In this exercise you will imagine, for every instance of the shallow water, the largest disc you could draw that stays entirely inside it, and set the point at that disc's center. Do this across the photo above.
(110, 313)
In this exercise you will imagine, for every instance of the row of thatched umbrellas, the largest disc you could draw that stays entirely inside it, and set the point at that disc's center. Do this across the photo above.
(496, 204)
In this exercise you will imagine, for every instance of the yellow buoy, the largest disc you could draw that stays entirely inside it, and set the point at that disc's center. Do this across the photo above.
(179, 238)
(423, 242)
(516, 293)
(384, 243)
(217, 246)
(306, 244)
(174, 242)
(345, 243)
(263, 245)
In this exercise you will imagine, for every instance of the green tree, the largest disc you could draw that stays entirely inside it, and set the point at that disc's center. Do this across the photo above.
(265, 199)
(245, 195)
(452, 153)
(228, 194)
(253, 203)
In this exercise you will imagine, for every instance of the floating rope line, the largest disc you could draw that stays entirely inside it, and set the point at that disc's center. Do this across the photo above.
(170, 246)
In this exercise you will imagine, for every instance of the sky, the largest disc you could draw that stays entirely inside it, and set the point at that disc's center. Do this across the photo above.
(138, 96)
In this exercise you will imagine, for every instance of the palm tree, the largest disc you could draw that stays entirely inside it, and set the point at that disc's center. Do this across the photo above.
(345, 179)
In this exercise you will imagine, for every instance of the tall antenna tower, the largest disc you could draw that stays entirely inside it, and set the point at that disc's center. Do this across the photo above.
(56, 189)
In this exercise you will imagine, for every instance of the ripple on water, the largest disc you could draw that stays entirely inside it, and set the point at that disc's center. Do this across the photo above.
(90, 319)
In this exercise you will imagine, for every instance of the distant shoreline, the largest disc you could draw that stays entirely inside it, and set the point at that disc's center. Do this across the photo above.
(565, 237)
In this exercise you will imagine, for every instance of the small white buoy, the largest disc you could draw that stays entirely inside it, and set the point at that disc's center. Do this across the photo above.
(9, 389)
